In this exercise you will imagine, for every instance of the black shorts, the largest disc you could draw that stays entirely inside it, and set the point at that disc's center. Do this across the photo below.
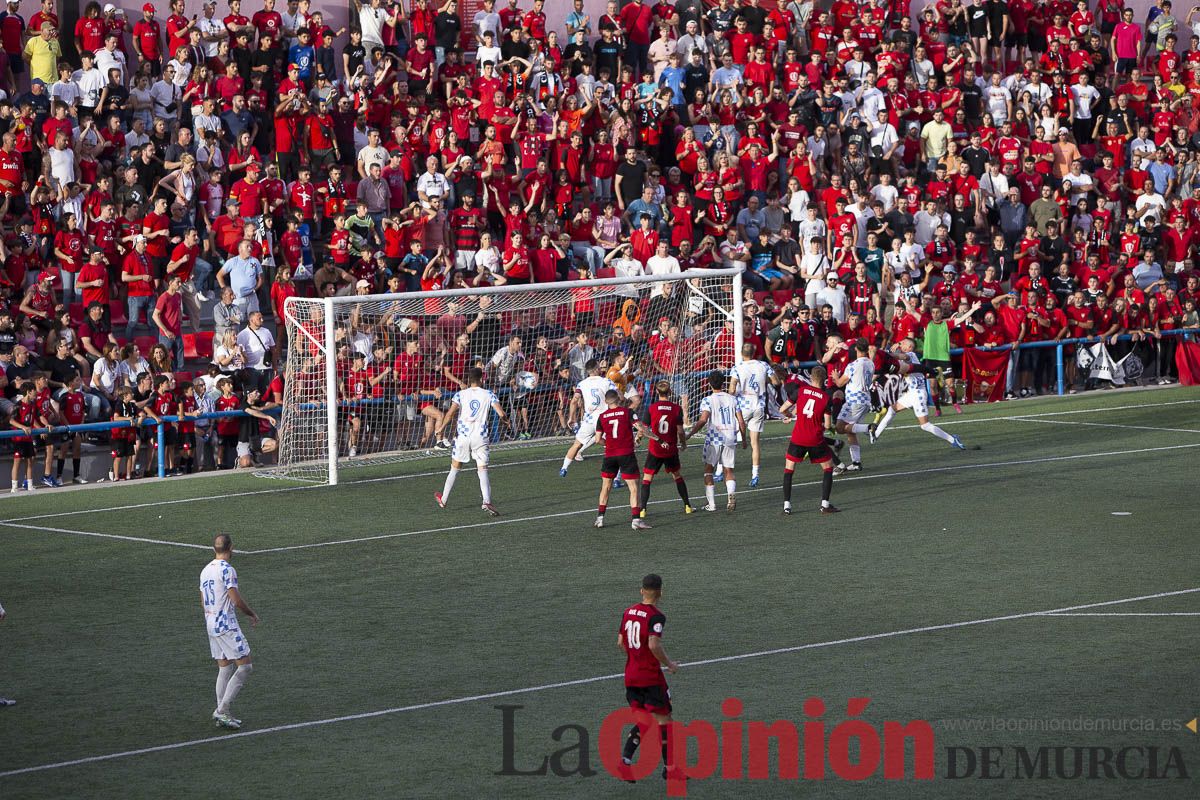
(170, 437)
(626, 466)
(934, 364)
(655, 699)
(122, 448)
(815, 453)
(655, 463)
(187, 441)
(23, 450)
(1016, 40)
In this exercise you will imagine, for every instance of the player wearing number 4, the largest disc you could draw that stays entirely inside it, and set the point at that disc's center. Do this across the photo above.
(221, 600)
(808, 438)
(472, 406)
(615, 427)
(720, 412)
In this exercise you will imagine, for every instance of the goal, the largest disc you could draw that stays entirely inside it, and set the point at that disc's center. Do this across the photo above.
(369, 379)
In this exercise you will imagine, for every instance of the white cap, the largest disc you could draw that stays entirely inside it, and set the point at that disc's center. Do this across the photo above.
(109, 8)
(362, 285)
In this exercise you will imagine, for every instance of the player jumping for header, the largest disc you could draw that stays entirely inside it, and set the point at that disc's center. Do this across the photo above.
(590, 394)
(913, 397)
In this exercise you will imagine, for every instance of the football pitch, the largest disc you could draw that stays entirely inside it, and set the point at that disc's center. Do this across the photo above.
(1040, 592)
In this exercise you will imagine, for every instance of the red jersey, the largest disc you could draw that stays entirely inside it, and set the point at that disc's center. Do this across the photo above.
(638, 624)
(809, 429)
(616, 426)
(664, 419)
(74, 409)
(228, 426)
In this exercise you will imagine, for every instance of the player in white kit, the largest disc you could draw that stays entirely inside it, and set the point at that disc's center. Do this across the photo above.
(221, 600)
(720, 412)
(473, 407)
(590, 391)
(913, 397)
(749, 380)
(855, 382)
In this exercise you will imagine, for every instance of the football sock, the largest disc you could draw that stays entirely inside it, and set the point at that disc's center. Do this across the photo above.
(566, 463)
(858, 428)
(74, 468)
(787, 485)
(643, 493)
(710, 493)
(485, 485)
(236, 681)
(600, 509)
(929, 427)
(826, 486)
(681, 487)
(731, 488)
(223, 675)
(636, 512)
(883, 423)
(450, 477)
(58, 466)
(631, 744)
(754, 471)
(855, 453)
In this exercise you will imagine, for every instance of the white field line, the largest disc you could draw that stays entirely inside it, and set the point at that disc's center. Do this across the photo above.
(1104, 425)
(580, 682)
(554, 459)
(106, 536)
(1131, 614)
(874, 476)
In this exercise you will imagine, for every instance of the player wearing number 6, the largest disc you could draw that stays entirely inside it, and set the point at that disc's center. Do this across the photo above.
(665, 421)
(720, 412)
(472, 406)
(808, 438)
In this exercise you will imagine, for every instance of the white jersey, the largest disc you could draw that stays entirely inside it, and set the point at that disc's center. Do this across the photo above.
(751, 379)
(858, 391)
(723, 427)
(914, 381)
(593, 389)
(474, 407)
(220, 614)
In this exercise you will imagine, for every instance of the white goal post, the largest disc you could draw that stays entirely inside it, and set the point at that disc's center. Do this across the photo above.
(398, 359)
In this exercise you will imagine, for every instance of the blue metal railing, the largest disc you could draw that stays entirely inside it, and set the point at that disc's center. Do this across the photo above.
(1058, 346)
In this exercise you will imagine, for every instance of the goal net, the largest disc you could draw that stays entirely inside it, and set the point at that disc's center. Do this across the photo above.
(369, 379)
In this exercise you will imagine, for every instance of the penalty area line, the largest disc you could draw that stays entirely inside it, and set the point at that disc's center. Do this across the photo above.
(843, 479)
(580, 682)
(139, 539)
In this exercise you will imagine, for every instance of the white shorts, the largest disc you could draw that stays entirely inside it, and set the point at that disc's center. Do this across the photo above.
(719, 455)
(587, 430)
(467, 448)
(916, 400)
(755, 416)
(852, 413)
(230, 645)
(631, 392)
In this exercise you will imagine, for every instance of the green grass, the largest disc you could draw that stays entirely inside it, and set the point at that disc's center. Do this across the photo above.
(105, 651)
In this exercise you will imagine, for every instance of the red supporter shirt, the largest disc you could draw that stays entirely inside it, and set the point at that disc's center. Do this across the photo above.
(638, 624)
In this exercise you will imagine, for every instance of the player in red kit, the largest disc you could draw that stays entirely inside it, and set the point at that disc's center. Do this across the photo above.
(808, 438)
(640, 638)
(615, 427)
(665, 420)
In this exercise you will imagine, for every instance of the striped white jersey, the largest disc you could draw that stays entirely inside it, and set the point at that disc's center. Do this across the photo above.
(474, 405)
(722, 409)
(751, 384)
(861, 371)
(593, 389)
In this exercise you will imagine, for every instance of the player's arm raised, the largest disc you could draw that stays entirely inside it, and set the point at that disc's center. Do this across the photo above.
(242, 605)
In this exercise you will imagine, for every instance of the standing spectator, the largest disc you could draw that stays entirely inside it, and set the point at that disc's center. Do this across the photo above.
(42, 53)
(168, 317)
(258, 345)
(244, 275)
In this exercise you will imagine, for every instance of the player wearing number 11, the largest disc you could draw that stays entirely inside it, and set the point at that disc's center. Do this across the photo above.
(720, 412)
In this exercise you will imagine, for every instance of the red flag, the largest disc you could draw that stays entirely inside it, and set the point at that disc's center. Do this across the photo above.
(1187, 361)
(986, 372)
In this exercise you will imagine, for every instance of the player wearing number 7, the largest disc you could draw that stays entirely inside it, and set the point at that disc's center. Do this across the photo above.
(472, 406)
(720, 412)
(808, 438)
(615, 426)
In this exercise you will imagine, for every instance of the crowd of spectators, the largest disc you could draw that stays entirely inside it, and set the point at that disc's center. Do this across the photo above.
(1023, 170)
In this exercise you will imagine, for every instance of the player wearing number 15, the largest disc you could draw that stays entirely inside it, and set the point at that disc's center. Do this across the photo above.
(472, 406)
(615, 425)
(640, 639)
(720, 412)
(221, 600)
(808, 438)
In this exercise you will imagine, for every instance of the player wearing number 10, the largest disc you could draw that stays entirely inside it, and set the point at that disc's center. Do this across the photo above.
(471, 405)
(221, 600)
(640, 639)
